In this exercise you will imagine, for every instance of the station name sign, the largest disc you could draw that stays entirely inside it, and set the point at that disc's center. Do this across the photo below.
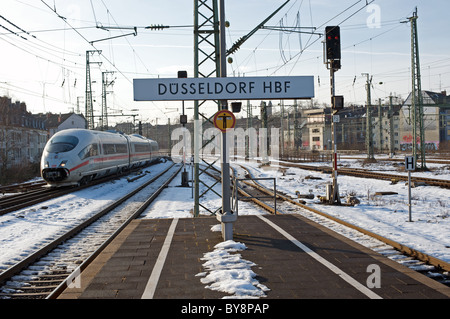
(229, 88)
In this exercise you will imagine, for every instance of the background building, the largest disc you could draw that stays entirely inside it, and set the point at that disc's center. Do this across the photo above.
(22, 135)
(58, 122)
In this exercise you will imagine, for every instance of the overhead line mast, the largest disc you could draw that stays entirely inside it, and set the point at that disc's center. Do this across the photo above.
(89, 104)
(207, 64)
(416, 97)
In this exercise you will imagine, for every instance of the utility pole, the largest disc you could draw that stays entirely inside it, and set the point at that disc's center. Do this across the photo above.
(380, 126)
(289, 143)
(369, 133)
(78, 104)
(250, 133)
(297, 133)
(391, 127)
(263, 141)
(416, 97)
(89, 104)
(169, 132)
(282, 128)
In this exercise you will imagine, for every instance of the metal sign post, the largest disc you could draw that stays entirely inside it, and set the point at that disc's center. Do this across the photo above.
(410, 165)
(226, 216)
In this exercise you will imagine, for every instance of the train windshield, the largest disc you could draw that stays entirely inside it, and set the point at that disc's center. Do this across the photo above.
(60, 144)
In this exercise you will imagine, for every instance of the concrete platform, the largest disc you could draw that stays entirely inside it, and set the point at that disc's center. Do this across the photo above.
(295, 258)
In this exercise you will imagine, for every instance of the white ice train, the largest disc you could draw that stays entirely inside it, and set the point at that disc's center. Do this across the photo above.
(77, 156)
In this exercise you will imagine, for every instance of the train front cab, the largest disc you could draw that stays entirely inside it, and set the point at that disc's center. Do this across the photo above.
(54, 163)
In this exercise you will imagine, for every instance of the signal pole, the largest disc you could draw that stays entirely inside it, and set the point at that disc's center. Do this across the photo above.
(226, 216)
(333, 61)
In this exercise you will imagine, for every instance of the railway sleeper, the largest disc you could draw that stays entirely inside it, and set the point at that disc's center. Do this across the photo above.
(35, 289)
(30, 295)
(37, 283)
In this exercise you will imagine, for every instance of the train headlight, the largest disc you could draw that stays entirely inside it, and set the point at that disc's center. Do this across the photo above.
(46, 165)
(63, 163)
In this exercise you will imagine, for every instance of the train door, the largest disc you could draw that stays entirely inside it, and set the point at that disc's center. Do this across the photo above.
(130, 151)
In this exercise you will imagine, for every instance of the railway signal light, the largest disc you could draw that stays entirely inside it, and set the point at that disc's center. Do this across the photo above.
(333, 42)
(236, 107)
(338, 102)
(182, 74)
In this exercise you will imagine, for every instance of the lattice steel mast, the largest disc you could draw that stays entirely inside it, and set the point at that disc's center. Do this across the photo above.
(89, 104)
(416, 97)
(206, 64)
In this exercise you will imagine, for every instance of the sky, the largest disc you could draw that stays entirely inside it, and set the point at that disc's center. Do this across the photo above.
(43, 45)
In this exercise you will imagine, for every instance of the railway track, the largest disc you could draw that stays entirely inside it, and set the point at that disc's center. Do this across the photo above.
(23, 187)
(50, 269)
(416, 260)
(441, 159)
(35, 193)
(435, 160)
(376, 175)
(15, 202)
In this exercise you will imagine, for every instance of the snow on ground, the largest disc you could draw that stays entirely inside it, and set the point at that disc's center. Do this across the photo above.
(25, 230)
(230, 273)
(429, 231)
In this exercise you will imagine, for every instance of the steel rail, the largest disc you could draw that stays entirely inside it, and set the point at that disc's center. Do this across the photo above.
(61, 287)
(23, 187)
(28, 199)
(438, 263)
(8, 273)
(364, 173)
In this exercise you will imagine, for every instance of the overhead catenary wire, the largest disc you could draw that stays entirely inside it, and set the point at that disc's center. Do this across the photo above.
(91, 44)
(298, 55)
(85, 39)
(17, 27)
(276, 68)
(362, 51)
(51, 54)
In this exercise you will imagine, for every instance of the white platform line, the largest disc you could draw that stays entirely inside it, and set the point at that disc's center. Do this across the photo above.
(369, 293)
(156, 272)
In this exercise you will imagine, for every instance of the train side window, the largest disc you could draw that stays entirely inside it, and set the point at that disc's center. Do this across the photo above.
(108, 149)
(141, 148)
(121, 148)
(88, 151)
(94, 150)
